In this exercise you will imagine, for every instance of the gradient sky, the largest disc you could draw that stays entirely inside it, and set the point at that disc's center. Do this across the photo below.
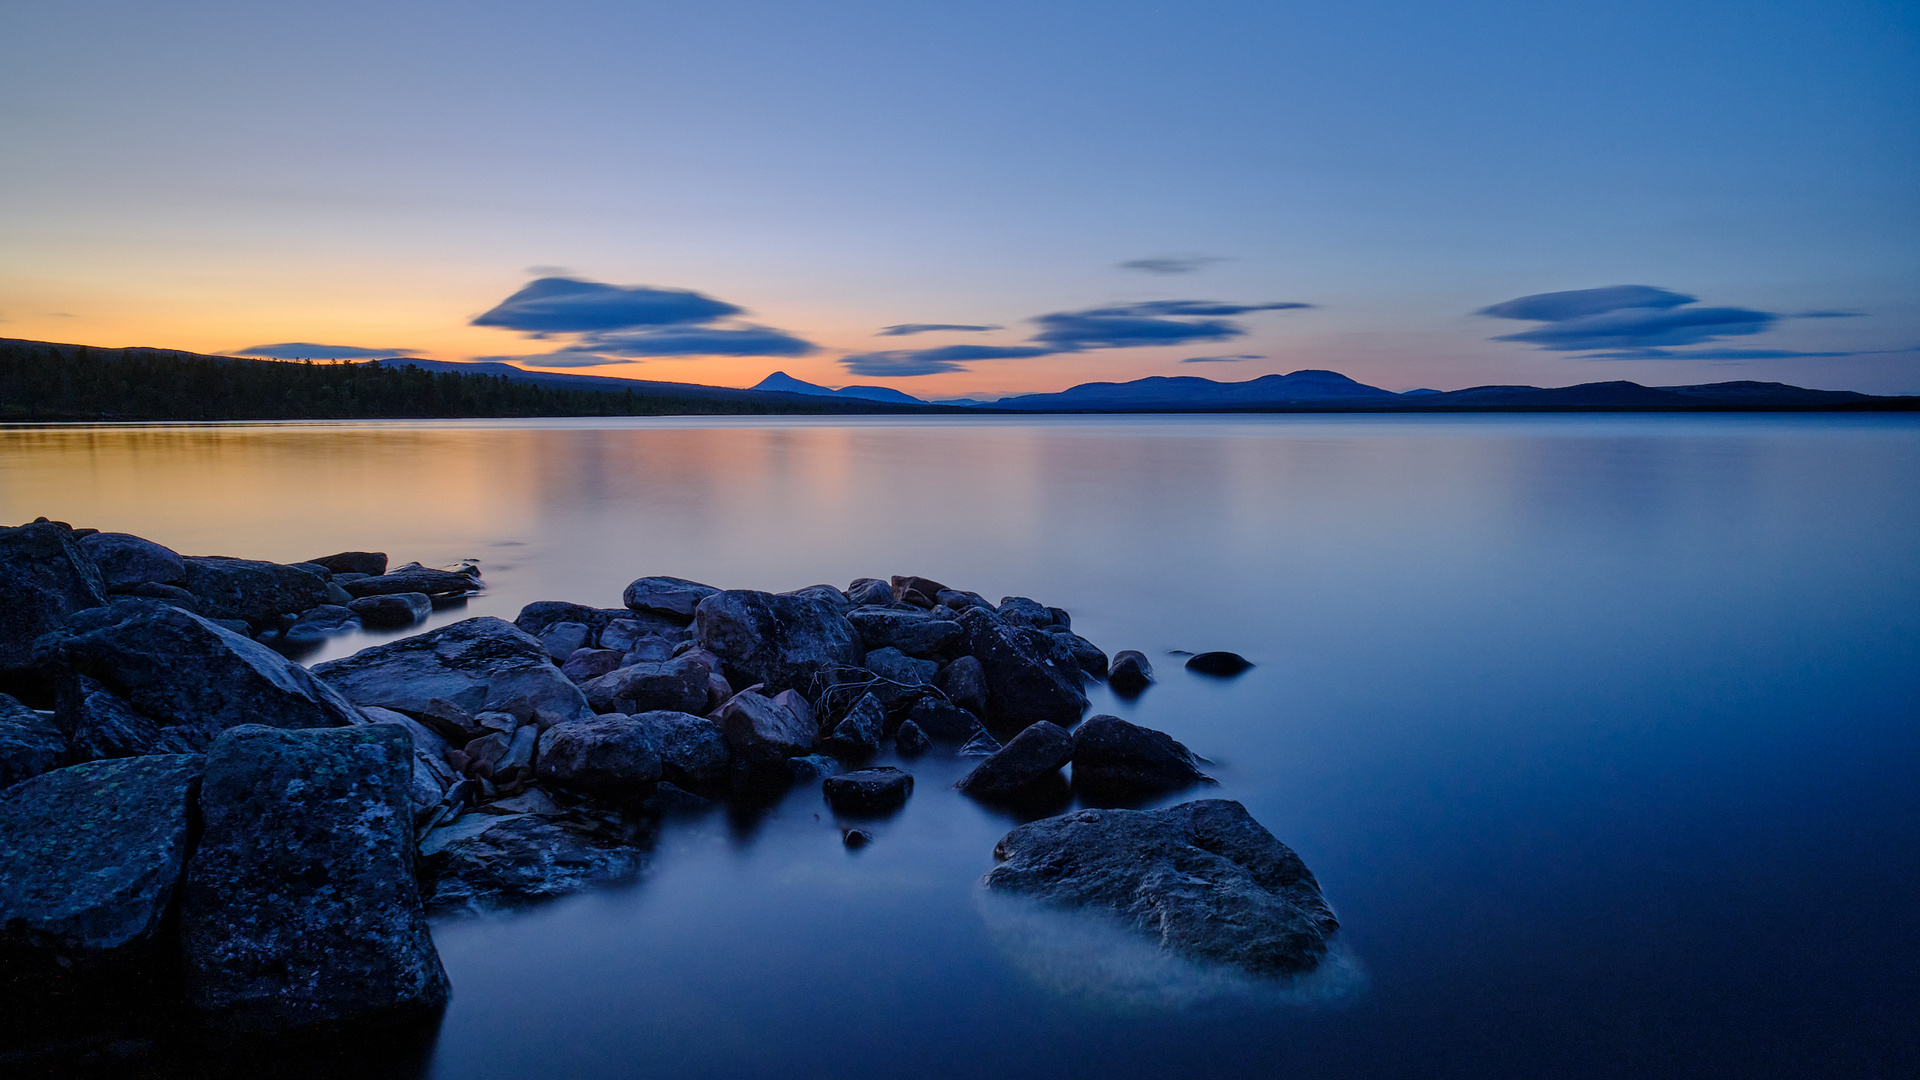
(223, 176)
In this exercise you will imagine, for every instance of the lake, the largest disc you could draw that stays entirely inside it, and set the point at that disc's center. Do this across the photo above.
(1601, 733)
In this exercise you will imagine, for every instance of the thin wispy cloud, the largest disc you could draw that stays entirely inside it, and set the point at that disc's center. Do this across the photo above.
(903, 329)
(307, 350)
(1641, 322)
(614, 324)
(903, 362)
(1171, 264)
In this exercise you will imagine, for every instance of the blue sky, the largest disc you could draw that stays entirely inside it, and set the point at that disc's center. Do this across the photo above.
(223, 176)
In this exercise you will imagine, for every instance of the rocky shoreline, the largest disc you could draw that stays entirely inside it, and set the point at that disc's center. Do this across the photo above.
(173, 785)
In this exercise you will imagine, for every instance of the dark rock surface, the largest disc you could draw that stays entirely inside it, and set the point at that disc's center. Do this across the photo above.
(913, 632)
(1110, 753)
(371, 563)
(911, 741)
(1202, 878)
(1038, 752)
(868, 791)
(675, 685)
(858, 734)
(421, 580)
(1024, 683)
(606, 755)
(982, 744)
(563, 639)
(897, 667)
(392, 611)
(485, 863)
(30, 744)
(316, 625)
(783, 642)
(44, 578)
(1130, 672)
(943, 721)
(761, 732)
(1021, 611)
(536, 617)
(668, 597)
(252, 591)
(965, 683)
(125, 560)
(1084, 654)
(91, 855)
(301, 906)
(586, 665)
(1218, 663)
(693, 752)
(918, 591)
(866, 590)
(97, 724)
(184, 673)
(477, 664)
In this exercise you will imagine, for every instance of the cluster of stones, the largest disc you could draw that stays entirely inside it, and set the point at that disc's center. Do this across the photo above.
(486, 764)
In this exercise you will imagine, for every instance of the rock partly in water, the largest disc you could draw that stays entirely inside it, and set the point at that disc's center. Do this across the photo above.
(1203, 878)
(1024, 683)
(1224, 664)
(944, 721)
(668, 597)
(762, 732)
(983, 744)
(44, 578)
(126, 561)
(414, 580)
(868, 791)
(858, 734)
(475, 664)
(186, 674)
(1036, 754)
(1130, 673)
(610, 755)
(782, 642)
(1084, 654)
(91, 856)
(301, 906)
(392, 611)
(315, 625)
(910, 741)
(487, 863)
(1123, 758)
(30, 743)
(249, 590)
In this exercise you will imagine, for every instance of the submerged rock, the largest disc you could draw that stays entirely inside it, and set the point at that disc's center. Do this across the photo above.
(1130, 673)
(1202, 878)
(983, 744)
(301, 906)
(91, 856)
(1034, 755)
(1110, 753)
(783, 642)
(868, 791)
(44, 578)
(30, 744)
(475, 664)
(1218, 663)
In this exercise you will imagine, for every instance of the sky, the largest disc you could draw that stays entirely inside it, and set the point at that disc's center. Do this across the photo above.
(978, 199)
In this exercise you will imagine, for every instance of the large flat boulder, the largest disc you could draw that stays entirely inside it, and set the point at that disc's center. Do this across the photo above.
(1202, 878)
(301, 906)
(91, 856)
(44, 578)
(668, 597)
(125, 560)
(1025, 682)
(912, 631)
(30, 744)
(480, 665)
(252, 591)
(780, 641)
(190, 676)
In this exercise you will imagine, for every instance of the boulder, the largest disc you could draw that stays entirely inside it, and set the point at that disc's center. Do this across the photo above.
(475, 664)
(172, 594)
(517, 762)
(1082, 653)
(858, 734)
(956, 601)
(675, 685)
(370, 563)
(943, 721)
(868, 590)
(868, 791)
(667, 597)
(624, 634)
(44, 578)
(316, 625)
(1203, 878)
(30, 743)
(586, 665)
(897, 667)
(783, 642)
(184, 673)
(1130, 673)
(653, 649)
(918, 591)
(254, 592)
(301, 906)
(125, 560)
(420, 580)
(1021, 611)
(914, 632)
(1038, 752)
(1024, 683)
(605, 755)
(910, 741)
(965, 683)
(536, 617)
(832, 596)
(563, 639)
(97, 724)
(693, 752)
(1112, 754)
(1224, 664)
(761, 732)
(487, 863)
(91, 856)
(392, 611)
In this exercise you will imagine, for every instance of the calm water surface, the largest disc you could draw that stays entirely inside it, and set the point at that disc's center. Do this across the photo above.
(1599, 732)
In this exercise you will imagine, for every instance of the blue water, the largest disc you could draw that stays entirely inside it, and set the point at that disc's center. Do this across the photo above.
(1601, 733)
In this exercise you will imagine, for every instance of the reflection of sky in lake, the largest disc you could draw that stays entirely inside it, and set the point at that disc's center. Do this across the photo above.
(1598, 731)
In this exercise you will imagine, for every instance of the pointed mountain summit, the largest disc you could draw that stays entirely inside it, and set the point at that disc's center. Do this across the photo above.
(786, 383)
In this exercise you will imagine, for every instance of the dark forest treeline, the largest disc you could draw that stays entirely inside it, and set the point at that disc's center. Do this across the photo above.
(43, 381)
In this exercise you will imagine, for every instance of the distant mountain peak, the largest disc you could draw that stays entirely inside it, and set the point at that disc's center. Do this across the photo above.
(785, 383)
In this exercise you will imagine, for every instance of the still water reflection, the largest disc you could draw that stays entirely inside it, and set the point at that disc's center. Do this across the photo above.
(1598, 731)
